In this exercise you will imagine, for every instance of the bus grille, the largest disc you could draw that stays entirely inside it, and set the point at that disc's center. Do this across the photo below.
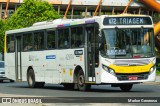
(131, 62)
(140, 76)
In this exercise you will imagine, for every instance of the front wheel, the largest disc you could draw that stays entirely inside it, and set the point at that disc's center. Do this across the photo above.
(82, 86)
(126, 87)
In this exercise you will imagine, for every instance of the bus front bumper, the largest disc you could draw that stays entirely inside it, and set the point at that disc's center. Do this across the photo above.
(137, 78)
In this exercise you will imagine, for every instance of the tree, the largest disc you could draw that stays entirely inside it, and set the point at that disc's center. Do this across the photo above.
(29, 12)
(2, 33)
(32, 11)
(156, 17)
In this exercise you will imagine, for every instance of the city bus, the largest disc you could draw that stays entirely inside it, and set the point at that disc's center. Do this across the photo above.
(116, 50)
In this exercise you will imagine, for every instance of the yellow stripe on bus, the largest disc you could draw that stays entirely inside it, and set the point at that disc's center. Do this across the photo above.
(131, 69)
(5, 47)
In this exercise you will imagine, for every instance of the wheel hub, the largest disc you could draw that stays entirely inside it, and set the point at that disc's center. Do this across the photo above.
(81, 80)
(30, 80)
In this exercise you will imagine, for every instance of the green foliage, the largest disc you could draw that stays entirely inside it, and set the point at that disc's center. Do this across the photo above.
(156, 17)
(29, 12)
(158, 69)
(2, 33)
(158, 73)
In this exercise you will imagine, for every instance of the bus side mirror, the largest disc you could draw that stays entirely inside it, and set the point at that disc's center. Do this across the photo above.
(99, 42)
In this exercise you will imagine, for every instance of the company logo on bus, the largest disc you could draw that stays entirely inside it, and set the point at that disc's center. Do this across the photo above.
(51, 57)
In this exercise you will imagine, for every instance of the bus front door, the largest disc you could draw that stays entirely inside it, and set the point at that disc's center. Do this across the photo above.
(18, 62)
(92, 52)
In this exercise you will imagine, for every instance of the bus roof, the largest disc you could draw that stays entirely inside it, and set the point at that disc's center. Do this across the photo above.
(57, 23)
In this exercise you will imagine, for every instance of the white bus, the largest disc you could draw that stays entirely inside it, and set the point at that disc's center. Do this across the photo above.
(110, 49)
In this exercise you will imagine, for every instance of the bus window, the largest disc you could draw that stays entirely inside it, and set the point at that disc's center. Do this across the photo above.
(38, 40)
(10, 43)
(77, 38)
(51, 39)
(27, 42)
(63, 38)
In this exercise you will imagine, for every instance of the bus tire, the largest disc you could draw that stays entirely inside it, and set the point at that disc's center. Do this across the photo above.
(82, 86)
(31, 79)
(126, 87)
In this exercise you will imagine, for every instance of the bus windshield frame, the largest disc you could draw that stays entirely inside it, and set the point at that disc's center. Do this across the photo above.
(127, 43)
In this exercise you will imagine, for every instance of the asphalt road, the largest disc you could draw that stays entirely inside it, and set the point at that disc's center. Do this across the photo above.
(20, 89)
(52, 90)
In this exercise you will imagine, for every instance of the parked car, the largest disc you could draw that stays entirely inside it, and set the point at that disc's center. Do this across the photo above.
(2, 72)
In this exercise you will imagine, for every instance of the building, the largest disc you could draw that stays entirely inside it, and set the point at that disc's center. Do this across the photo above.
(113, 6)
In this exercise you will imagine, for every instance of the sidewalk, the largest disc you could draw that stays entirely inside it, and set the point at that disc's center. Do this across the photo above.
(157, 78)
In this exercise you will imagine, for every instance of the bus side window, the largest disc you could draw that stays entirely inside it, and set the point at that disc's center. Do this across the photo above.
(77, 38)
(27, 42)
(10, 43)
(51, 39)
(38, 40)
(63, 38)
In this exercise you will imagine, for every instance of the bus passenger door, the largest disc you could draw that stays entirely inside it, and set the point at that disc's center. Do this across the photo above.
(18, 62)
(92, 52)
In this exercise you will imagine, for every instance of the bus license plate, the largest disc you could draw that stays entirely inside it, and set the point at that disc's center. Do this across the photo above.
(132, 78)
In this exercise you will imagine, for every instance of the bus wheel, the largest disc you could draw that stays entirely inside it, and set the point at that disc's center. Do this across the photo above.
(82, 86)
(31, 79)
(126, 87)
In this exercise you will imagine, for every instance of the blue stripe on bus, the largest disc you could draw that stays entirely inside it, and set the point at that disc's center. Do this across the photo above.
(51, 57)
(67, 24)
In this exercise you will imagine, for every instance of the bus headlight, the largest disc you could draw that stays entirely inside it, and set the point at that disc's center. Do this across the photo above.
(152, 69)
(112, 72)
(105, 67)
(109, 70)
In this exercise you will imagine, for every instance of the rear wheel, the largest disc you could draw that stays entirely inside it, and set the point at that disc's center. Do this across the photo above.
(126, 87)
(82, 86)
(31, 80)
(1, 80)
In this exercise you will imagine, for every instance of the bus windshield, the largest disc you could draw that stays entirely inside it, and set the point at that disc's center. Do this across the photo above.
(127, 43)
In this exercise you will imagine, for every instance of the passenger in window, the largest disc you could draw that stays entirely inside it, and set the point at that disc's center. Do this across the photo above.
(73, 40)
(77, 43)
(65, 43)
(72, 43)
(27, 48)
(144, 47)
(9, 50)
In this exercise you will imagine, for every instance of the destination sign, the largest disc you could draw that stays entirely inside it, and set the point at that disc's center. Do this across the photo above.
(127, 21)
(116, 52)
